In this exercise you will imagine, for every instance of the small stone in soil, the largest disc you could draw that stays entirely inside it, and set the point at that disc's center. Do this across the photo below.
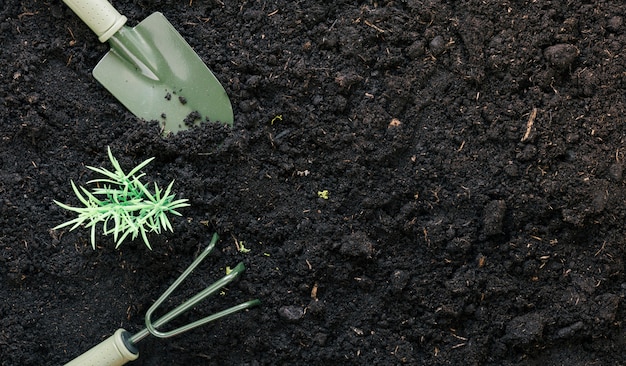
(437, 45)
(291, 313)
(569, 331)
(357, 245)
(561, 55)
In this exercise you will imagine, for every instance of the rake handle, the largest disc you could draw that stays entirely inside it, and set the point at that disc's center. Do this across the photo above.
(103, 19)
(113, 351)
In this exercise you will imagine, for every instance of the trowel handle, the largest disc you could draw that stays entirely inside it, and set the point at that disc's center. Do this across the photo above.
(113, 351)
(99, 15)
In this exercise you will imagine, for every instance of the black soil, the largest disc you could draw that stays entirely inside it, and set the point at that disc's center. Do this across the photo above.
(472, 152)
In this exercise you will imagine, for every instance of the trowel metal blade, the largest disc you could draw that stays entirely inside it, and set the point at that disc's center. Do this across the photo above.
(172, 85)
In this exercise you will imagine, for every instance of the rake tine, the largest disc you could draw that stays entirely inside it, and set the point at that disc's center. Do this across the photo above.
(151, 326)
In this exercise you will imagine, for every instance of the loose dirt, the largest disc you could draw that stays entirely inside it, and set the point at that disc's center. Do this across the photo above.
(471, 155)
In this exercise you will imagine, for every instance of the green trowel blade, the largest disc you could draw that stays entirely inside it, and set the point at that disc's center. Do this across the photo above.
(154, 72)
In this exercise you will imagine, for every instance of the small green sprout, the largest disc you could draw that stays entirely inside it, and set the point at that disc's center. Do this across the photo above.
(243, 249)
(278, 117)
(123, 205)
(239, 244)
(323, 194)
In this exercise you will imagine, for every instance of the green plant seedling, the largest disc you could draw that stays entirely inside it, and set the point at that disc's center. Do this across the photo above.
(278, 117)
(239, 244)
(242, 248)
(123, 204)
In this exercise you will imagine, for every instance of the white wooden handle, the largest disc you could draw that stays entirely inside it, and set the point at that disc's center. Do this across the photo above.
(113, 351)
(99, 15)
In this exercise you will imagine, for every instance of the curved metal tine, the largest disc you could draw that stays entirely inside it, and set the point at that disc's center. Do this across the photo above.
(144, 332)
(187, 305)
(208, 319)
(151, 326)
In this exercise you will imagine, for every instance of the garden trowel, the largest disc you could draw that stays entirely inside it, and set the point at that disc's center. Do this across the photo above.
(152, 70)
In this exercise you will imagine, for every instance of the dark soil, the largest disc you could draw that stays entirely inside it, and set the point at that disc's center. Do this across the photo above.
(473, 153)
